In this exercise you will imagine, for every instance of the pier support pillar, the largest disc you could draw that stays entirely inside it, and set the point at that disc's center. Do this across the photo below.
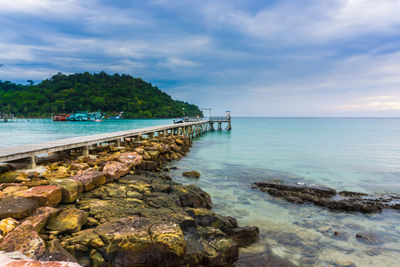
(212, 126)
(219, 126)
(32, 162)
(85, 151)
(150, 135)
(118, 142)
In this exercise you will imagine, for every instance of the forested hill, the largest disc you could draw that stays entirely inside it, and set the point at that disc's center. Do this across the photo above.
(92, 92)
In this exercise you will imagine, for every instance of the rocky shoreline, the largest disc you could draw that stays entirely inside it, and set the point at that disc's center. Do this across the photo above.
(115, 207)
(301, 193)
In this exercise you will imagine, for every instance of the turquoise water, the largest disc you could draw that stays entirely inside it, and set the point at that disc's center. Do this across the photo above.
(22, 132)
(343, 153)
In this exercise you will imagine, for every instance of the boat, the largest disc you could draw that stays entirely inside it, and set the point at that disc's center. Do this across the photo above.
(61, 117)
(85, 116)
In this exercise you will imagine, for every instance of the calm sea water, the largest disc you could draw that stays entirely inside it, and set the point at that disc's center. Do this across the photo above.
(343, 153)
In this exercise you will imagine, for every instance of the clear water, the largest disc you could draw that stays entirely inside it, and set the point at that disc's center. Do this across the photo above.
(352, 154)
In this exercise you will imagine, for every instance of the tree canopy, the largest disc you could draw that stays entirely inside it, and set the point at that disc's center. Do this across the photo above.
(92, 92)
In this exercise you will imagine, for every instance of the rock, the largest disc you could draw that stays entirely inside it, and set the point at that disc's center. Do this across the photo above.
(265, 259)
(154, 155)
(9, 177)
(39, 219)
(191, 174)
(9, 262)
(149, 165)
(129, 240)
(90, 179)
(79, 166)
(206, 217)
(169, 241)
(130, 159)
(192, 196)
(10, 190)
(6, 226)
(17, 207)
(113, 170)
(70, 189)
(324, 229)
(327, 197)
(345, 264)
(68, 221)
(244, 236)
(97, 259)
(24, 239)
(340, 235)
(55, 252)
(35, 182)
(45, 195)
(370, 237)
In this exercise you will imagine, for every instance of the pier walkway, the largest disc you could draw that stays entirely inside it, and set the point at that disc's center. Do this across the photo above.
(30, 152)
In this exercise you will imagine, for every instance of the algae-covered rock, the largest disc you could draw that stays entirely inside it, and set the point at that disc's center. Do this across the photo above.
(55, 252)
(70, 189)
(191, 174)
(6, 226)
(113, 170)
(128, 240)
(169, 240)
(8, 177)
(10, 190)
(45, 195)
(68, 221)
(17, 207)
(90, 179)
(206, 217)
(244, 236)
(24, 239)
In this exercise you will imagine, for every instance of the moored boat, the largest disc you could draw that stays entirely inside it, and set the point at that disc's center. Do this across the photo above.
(61, 117)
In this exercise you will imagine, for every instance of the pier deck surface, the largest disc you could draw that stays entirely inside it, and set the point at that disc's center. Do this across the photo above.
(27, 151)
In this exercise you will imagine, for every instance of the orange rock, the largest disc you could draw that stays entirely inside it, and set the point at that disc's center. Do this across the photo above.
(90, 179)
(45, 195)
(130, 159)
(114, 170)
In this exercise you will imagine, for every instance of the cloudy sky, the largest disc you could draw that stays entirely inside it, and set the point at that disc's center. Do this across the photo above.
(256, 58)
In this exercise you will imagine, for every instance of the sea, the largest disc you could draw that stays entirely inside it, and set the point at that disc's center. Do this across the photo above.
(357, 154)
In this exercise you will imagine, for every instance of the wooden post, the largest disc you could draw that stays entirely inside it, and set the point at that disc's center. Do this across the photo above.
(219, 126)
(118, 142)
(212, 126)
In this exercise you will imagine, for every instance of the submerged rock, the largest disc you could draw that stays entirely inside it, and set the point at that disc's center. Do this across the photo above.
(328, 197)
(191, 174)
(265, 259)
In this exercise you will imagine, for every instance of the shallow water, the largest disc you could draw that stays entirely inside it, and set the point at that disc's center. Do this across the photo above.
(351, 154)
(346, 154)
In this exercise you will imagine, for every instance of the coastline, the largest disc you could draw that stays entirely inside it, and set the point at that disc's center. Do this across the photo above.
(116, 205)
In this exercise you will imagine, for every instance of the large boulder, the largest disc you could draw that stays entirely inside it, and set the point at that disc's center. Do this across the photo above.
(17, 207)
(90, 179)
(45, 195)
(68, 221)
(192, 196)
(70, 189)
(24, 239)
(245, 236)
(113, 170)
(130, 159)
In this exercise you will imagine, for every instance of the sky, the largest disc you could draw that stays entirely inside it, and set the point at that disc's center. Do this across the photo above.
(254, 58)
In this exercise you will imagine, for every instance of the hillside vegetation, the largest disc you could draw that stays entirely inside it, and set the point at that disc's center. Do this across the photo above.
(91, 92)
